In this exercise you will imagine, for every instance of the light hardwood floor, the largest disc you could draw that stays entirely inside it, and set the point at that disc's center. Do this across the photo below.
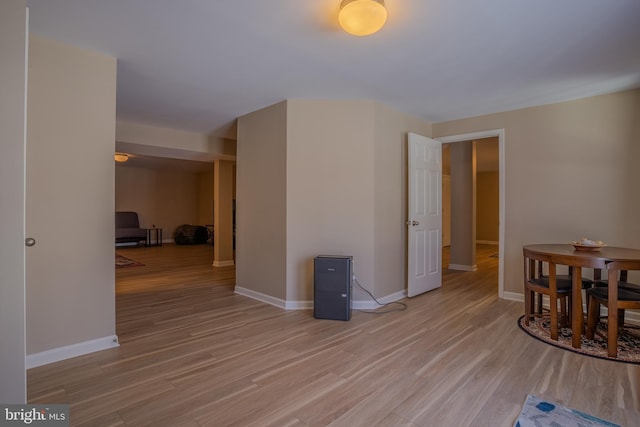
(193, 353)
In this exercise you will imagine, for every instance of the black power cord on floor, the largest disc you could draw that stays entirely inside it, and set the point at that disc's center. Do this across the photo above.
(402, 305)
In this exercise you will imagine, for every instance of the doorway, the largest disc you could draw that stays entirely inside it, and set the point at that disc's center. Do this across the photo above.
(499, 134)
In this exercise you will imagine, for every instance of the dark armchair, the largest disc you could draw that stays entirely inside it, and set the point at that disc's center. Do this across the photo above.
(128, 228)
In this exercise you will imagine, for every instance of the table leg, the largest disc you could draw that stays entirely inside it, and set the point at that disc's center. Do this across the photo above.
(528, 301)
(577, 321)
(553, 301)
(612, 316)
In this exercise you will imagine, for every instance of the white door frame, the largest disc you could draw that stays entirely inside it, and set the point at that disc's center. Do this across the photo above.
(501, 188)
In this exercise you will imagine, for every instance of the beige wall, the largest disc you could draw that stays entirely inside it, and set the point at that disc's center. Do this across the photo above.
(13, 42)
(343, 182)
(223, 255)
(330, 189)
(487, 207)
(390, 197)
(463, 206)
(446, 210)
(70, 187)
(164, 198)
(159, 141)
(571, 171)
(159, 137)
(205, 197)
(261, 201)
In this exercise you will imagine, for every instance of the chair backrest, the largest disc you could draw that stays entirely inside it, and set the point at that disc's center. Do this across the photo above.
(127, 220)
(623, 265)
(597, 274)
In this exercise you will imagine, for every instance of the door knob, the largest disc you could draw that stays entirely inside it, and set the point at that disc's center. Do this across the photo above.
(29, 241)
(414, 223)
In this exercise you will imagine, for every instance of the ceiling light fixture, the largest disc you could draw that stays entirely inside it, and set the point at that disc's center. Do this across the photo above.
(362, 17)
(121, 157)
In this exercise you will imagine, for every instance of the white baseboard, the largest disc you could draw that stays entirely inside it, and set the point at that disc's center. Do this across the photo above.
(487, 242)
(298, 305)
(259, 296)
(462, 267)
(632, 317)
(372, 305)
(69, 351)
(513, 296)
(308, 305)
(277, 302)
(228, 263)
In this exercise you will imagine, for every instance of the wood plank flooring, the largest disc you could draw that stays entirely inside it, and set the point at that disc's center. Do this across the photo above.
(193, 353)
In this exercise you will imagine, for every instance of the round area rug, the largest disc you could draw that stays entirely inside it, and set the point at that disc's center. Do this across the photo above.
(628, 339)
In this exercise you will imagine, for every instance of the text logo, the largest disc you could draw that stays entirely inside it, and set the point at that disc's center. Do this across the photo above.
(34, 415)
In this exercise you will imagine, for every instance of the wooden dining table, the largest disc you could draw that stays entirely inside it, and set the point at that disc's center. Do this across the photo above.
(566, 254)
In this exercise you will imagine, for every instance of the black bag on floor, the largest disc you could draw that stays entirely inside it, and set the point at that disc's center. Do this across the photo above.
(191, 235)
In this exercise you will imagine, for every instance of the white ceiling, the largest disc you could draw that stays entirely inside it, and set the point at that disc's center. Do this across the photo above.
(199, 64)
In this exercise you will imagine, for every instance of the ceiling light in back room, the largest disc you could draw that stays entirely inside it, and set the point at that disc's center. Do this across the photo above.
(121, 157)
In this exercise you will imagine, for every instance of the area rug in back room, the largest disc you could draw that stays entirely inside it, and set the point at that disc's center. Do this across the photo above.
(123, 262)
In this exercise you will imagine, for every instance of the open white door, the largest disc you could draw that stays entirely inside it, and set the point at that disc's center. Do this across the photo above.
(424, 220)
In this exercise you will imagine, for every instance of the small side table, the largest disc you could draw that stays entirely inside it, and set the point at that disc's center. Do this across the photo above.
(154, 237)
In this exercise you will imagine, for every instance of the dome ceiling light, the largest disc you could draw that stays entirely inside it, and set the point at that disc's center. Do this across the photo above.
(362, 17)
(121, 157)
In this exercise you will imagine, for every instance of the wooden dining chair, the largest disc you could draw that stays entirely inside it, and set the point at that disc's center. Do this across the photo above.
(536, 285)
(586, 282)
(617, 297)
(565, 280)
(622, 282)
